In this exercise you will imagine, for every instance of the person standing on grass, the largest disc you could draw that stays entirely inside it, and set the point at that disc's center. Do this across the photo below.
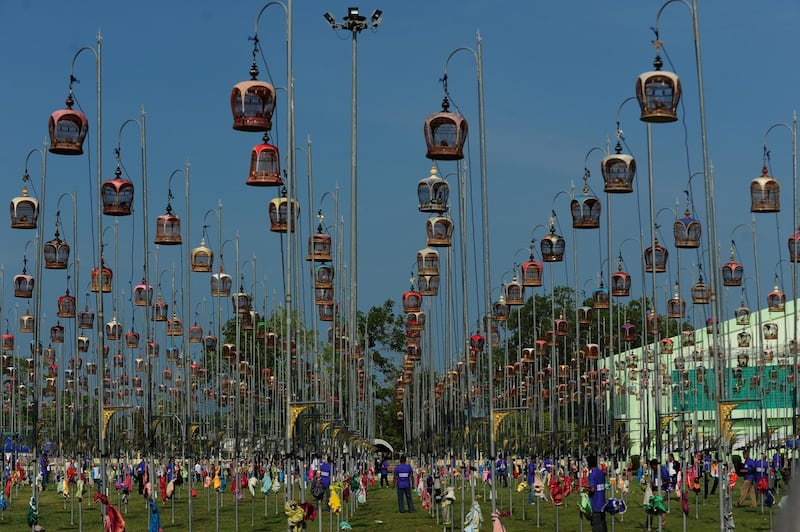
(531, 470)
(501, 466)
(672, 468)
(402, 481)
(325, 473)
(749, 474)
(777, 469)
(714, 476)
(384, 472)
(660, 484)
(761, 480)
(44, 467)
(596, 488)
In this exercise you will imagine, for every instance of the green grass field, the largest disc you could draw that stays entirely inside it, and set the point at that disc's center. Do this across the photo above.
(212, 511)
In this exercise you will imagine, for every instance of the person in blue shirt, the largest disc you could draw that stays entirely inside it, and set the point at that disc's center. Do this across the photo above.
(762, 468)
(661, 479)
(171, 469)
(748, 471)
(777, 469)
(501, 466)
(44, 466)
(660, 482)
(403, 474)
(384, 472)
(325, 474)
(761, 480)
(8, 448)
(596, 488)
(531, 478)
(141, 469)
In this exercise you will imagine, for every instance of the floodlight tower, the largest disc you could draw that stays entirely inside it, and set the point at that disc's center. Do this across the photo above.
(355, 23)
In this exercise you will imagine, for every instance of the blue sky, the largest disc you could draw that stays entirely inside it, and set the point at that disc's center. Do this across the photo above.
(555, 74)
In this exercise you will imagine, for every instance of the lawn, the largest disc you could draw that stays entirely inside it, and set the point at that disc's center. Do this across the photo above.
(213, 511)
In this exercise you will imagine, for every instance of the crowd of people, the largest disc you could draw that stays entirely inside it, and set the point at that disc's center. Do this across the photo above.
(602, 484)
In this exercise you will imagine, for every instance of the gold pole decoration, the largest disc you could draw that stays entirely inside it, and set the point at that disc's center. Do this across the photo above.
(666, 419)
(108, 413)
(154, 425)
(325, 425)
(726, 407)
(725, 410)
(497, 418)
(193, 429)
(295, 411)
(335, 433)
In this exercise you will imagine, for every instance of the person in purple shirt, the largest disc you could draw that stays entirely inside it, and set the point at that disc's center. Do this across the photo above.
(761, 481)
(501, 466)
(44, 466)
(325, 473)
(777, 468)
(531, 478)
(762, 468)
(748, 471)
(660, 483)
(384, 472)
(661, 480)
(403, 474)
(596, 488)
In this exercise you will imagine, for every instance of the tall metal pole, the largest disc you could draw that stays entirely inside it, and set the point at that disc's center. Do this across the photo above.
(608, 345)
(355, 23)
(142, 123)
(478, 56)
(98, 54)
(291, 187)
(315, 346)
(101, 363)
(462, 218)
(353, 307)
(187, 359)
(37, 351)
(291, 194)
(653, 268)
(486, 255)
(725, 512)
(218, 349)
(234, 381)
(792, 253)
(794, 287)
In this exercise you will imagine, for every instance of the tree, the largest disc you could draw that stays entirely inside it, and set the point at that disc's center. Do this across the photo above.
(385, 335)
